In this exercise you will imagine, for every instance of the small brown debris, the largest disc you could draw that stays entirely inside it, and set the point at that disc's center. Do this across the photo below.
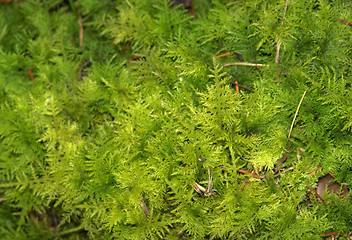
(145, 209)
(299, 149)
(239, 57)
(83, 69)
(201, 190)
(30, 74)
(315, 172)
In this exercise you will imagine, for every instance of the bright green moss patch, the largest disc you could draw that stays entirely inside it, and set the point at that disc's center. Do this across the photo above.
(109, 140)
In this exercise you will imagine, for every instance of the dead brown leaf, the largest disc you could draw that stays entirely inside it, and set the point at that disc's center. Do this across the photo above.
(332, 187)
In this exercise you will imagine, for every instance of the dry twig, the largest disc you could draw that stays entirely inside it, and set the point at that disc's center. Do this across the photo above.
(239, 85)
(294, 118)
(129, 4)
(125, 49)
(224, 55)
(316, 194)
(245, 64)
(237, 88)
(201, 190)
(30, 74)
(344, 22)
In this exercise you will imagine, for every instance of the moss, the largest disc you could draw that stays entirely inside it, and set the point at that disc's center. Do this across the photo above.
(107, 140)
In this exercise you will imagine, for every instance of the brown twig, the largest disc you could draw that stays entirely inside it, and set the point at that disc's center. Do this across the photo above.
(245, 64)
(316, 194)
(294, 118)
(224, 55)
(344, 22)
(125, 49)
(30, 74)
(329, 234)
(239, 85)
(278, 44)
(237, 88)
(283, 18)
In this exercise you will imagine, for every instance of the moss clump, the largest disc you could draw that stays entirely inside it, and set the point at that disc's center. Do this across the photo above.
(110, 139)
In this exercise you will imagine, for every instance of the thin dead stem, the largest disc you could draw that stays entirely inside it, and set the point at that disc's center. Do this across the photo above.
(245, 64)
(283, 18)
(316, 194)
(129, 4)
(294, 118)
(344, 22)
(278, 44)
(239, 85)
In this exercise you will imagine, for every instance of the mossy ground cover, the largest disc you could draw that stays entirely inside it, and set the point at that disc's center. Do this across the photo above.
(125, 120)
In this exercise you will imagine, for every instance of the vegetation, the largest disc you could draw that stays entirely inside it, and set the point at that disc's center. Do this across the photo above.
(118, 121)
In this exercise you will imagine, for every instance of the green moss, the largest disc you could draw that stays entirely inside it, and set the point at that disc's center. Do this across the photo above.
(123, 126)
